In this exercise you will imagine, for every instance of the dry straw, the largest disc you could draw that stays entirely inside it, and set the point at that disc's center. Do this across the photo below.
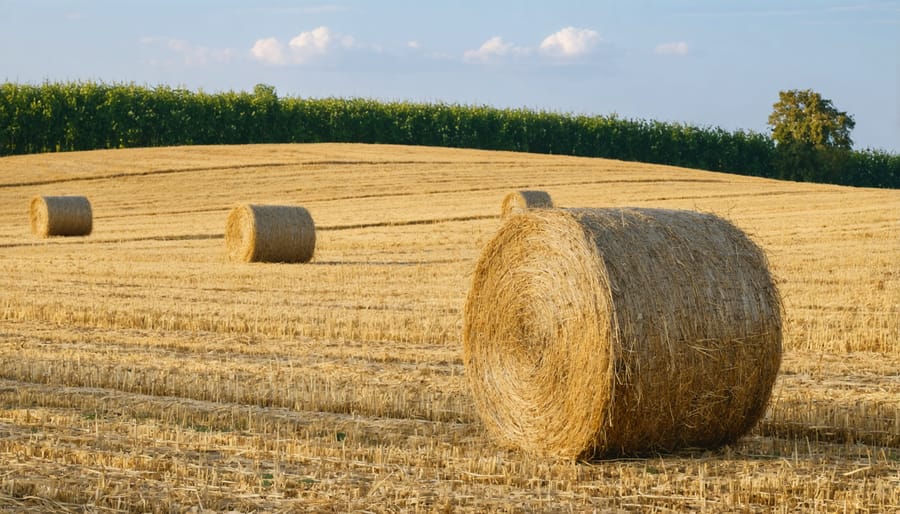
(604, 332)
(60, 216)
(519, 201)
(270, 233)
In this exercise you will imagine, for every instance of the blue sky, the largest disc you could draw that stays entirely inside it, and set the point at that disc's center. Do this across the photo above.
(704, 62)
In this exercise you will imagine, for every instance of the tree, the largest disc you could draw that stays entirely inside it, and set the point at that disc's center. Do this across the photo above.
(812, 137)
(804, 116)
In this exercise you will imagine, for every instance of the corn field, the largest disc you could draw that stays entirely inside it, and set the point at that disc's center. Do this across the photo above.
(71, 116)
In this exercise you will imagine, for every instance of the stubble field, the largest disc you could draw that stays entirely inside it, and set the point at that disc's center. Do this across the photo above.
(141, 371)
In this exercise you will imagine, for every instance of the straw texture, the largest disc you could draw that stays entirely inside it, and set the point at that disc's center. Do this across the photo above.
(270, 233)
(603, 332)
(60, 216)
(519, 201)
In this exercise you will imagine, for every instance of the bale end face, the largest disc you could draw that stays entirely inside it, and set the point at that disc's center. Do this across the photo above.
(60, 216)
(601, 332)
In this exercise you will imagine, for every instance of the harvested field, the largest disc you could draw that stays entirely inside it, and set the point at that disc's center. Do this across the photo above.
(141, 370)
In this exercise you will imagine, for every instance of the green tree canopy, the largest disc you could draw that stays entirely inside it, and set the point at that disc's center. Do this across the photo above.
(803, 116)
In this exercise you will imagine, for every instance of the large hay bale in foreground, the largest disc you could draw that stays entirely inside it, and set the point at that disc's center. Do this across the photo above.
(61, 216)
(520, 201)
(603, 332)
(270, 233)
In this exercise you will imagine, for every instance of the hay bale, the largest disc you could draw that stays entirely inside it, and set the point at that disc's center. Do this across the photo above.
(520, 201)
(603, 332)
(270, 233)
(60, 216)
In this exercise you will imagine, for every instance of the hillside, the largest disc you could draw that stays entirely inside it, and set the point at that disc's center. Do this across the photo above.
(140, 370)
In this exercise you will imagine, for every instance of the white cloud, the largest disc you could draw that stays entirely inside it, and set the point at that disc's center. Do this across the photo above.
(494, 48)
(269, 51)
(316, 41)
(412, 44)
(303, 48)
(570, 42)
(189, 53)
(673, 48)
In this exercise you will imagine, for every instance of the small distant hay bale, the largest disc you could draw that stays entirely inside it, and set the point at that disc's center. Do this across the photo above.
(519, 201)
(605, 332)
(270, 233)
(61, 216)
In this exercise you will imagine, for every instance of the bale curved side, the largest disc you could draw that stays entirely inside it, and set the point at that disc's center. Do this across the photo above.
(600, 332)
(270, 233)
(519, 201)
(60, 216)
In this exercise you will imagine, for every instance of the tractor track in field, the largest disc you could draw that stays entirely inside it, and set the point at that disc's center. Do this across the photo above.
(66, 241)
(406, 223)
(114, 402)
(411, 194)
(503, 188)
(179, 390)
(198, 169)
(221, 235)
(170, 171)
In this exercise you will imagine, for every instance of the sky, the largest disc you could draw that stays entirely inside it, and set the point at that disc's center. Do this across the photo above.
(710, 63)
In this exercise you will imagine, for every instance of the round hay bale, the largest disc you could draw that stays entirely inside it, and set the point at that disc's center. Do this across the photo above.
(61, 216)
(270, 233)
(604, 332)
(520, 201)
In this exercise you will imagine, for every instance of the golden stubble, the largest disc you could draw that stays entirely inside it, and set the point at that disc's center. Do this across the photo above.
(140, 369)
